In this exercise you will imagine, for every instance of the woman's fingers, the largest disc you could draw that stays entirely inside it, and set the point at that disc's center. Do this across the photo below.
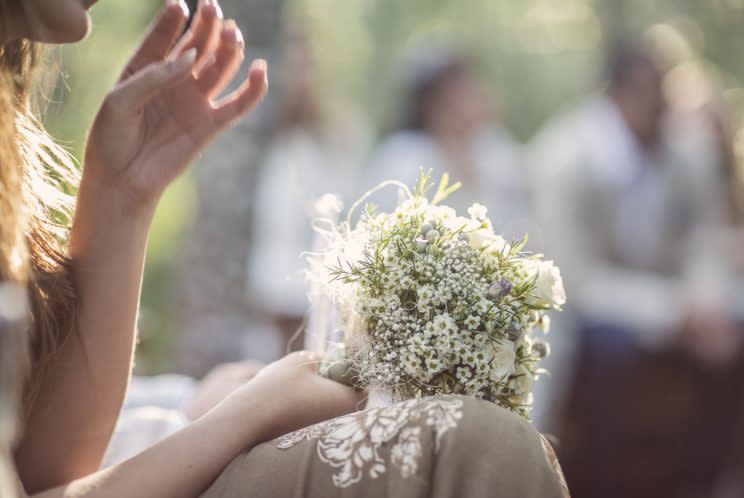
(131, 95)
(227, 59)
(204, 34)
(160, 37)
(245, 98)
(307, 360)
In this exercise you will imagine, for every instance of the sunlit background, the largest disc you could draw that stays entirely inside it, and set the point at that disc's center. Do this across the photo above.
(346, 63)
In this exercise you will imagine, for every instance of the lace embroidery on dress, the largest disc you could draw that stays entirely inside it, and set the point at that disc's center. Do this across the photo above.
(352, 443)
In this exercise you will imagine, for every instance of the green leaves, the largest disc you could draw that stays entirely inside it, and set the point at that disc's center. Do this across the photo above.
(444, 190)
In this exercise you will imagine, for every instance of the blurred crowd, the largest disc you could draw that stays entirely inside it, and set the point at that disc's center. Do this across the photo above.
(633, 191)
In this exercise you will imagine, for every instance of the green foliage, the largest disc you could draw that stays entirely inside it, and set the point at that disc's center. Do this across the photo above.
(538, 55)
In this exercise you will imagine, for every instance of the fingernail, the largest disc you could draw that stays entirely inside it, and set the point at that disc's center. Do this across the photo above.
(261, 65)
(231, 29)
(184, 7)
(217, 8)
(181, 4)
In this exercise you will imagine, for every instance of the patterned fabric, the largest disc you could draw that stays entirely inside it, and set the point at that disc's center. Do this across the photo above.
(352, 443)
(438, 447)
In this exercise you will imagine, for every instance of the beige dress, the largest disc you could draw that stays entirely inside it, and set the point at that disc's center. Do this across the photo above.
(441, 447)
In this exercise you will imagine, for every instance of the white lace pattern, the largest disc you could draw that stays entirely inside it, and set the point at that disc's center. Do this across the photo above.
(351, 444)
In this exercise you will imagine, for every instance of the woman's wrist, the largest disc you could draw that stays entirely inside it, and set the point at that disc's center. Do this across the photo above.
(113, 197)
(246, 418)
(108, 214)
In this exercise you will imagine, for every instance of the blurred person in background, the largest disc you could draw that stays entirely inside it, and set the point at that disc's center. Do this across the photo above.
(629, 195)
(451, 125)
(698, 126)
(316, 149)
(701, 117)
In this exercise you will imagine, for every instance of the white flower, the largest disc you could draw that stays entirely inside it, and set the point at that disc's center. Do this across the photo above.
(484, 238)
(392, 301)
(425, 294)
(481, 340)
(434, 365)
(463, 374)
(419, 341)
(548, 290)
(477, 211)
(429, 332)
(461, 224)
(413, 207)
(472, 322)
(411, 363)
(469, 358)
(501, 358)
(483, 305)
(444, 324)
(441, 213)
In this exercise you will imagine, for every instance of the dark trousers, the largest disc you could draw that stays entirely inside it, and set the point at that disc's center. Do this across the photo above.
(649, 423)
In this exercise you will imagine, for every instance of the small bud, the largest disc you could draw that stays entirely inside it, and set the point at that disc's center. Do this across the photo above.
(463, 236)
(544, 323)
(494, 291)
(515, 332)
(540, 349)
(506, 286)
(432, 234)
(426, 228)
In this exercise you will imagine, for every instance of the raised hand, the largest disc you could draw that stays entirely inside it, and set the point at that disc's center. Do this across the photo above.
(164, 108)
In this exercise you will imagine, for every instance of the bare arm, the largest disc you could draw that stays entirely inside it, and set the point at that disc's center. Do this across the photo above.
(81, 395)
(182, 465)
(153, 123)
(284, 396)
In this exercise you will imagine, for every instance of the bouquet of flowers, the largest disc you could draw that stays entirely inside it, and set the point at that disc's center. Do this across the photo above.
(429, 302)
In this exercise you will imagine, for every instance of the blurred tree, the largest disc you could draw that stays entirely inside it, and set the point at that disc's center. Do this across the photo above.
(539, 54)
(614, 21)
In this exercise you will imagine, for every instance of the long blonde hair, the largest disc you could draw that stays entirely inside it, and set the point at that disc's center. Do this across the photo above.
(35, 209)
